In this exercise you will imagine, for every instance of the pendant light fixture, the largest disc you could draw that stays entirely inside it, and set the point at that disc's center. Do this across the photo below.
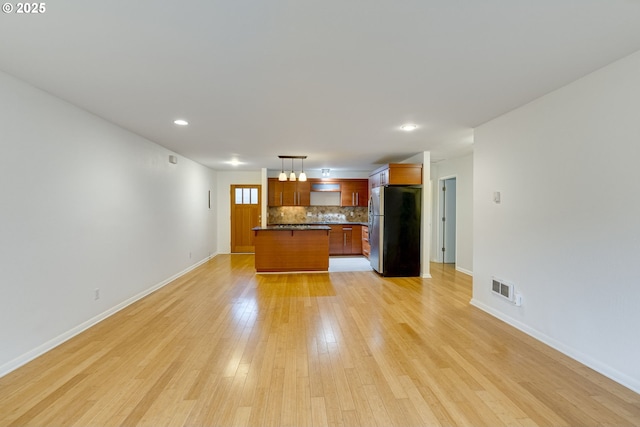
(292, 177)
(303, 176)
(283, 176)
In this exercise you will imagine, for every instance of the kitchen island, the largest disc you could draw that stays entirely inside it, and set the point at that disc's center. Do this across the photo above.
(282, 248)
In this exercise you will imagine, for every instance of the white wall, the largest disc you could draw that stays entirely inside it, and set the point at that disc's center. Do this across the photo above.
(86, 205)
(567, 232)
(462, 169)
(225, 179)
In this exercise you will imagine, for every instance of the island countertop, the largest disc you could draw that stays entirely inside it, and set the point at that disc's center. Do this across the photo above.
(323, 223)
(281, 227)
(292, 248)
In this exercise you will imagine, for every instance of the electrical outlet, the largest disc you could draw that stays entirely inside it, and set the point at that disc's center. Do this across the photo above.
(517, 299)
(96, 294)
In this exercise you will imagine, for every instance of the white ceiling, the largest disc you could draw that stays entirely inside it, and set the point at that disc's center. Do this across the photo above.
(329, 79)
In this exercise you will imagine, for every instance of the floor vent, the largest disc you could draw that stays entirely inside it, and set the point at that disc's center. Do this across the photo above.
(502, 289)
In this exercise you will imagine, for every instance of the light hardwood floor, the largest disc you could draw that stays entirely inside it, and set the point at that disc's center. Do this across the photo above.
(224, 346)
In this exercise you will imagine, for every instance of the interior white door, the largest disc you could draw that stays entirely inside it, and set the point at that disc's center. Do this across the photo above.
(448, 220)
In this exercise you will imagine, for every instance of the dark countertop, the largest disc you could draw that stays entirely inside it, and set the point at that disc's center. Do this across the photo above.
(291, 227)
(316, 224)
(342, 223)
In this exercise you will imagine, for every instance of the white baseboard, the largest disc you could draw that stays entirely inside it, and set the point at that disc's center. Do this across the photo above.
(51, 344)
(465, 271)
(606, 370)
(461, 270)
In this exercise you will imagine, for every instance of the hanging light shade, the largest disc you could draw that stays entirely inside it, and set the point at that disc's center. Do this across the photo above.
(303, 176)
(283, 176)
(292, 177)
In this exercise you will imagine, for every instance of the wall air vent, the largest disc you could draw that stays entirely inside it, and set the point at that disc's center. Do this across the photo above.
(499, 287)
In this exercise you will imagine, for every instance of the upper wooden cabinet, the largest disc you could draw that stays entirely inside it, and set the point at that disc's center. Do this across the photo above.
(302, 193)
(289, 193)
(274, 192)
(396, 174)
(354, 192)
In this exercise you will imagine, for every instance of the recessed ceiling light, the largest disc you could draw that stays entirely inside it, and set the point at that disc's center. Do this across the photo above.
(181, 122)
(409, 127)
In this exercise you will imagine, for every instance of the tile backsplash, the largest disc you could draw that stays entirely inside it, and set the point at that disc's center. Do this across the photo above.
(311, 214)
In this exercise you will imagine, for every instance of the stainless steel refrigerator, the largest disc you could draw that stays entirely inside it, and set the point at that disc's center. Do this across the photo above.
(394, 230)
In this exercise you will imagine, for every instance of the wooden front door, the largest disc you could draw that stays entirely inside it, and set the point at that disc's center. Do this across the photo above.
(246, 207)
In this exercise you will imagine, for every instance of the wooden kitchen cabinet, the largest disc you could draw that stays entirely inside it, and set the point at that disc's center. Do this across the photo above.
(296, 193)
(275, 192)
(396, 174)
(366, 246)
(289, 193)
(336, 240)
(356, 240)
(345, 239)
(295, 249)
(304, 193)
(354, 192)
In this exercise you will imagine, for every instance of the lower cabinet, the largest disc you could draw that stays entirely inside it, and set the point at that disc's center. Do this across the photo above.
(291, 250)
(345, 239)
(366, 247)
(337, 240)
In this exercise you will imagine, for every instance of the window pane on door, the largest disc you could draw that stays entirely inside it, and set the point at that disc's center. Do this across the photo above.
(246, 196)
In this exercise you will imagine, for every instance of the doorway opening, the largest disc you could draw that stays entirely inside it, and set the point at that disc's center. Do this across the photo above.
(447, 220)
